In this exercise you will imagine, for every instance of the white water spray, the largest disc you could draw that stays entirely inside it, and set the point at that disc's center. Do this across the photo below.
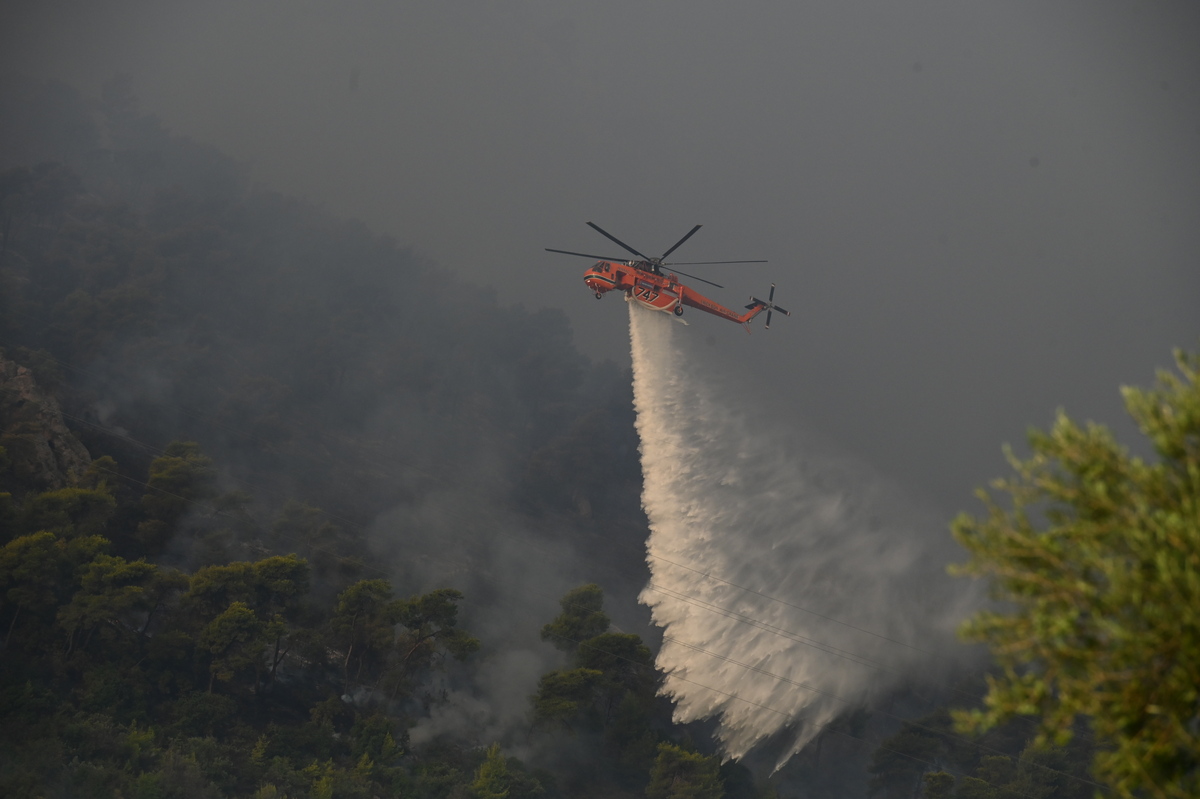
(740, 520)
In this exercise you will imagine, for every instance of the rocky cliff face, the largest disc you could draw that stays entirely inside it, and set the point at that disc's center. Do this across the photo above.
(41, 449)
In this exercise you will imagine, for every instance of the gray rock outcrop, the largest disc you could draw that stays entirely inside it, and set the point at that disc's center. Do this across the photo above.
(41, 448)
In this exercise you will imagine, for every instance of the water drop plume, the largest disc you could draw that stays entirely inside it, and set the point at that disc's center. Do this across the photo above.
(791, 586)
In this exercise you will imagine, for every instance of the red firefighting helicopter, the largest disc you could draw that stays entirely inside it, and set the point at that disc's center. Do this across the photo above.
(643, 280)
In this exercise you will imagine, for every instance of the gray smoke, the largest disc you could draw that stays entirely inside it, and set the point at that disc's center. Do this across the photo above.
(791, 586)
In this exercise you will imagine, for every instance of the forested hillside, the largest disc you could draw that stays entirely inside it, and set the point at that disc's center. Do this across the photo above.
(210, 397)
(273, 490)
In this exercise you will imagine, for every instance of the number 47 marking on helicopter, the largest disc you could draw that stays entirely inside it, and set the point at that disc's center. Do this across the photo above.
(643, 280)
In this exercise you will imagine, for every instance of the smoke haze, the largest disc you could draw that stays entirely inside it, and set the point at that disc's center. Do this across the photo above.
(988, 207)
(977, 213)
(790, 587)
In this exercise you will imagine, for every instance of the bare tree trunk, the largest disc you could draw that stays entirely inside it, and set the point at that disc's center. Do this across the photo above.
(276, 660)
(149, 617)
(420, 641)
(11, 625)
(346, 668)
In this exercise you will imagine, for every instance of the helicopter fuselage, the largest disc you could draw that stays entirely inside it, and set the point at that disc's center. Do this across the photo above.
(644, 283)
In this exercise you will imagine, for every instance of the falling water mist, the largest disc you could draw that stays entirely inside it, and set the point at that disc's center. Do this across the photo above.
(791, 587)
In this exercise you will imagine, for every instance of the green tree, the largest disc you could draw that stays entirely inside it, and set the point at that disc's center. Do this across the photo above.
(362, 626)
(897, 767)
(628, 668)
(501, 778)
(613, 680)
(633, 740)
(582, 617)
(332, 551)
(626, 662)
(431, 630)
(271, 588)
(562, 696)
(1050, 771)
(491, 780)
(280, 583)
(102, 474)
(373, 737)
(938, 785)
(234, 640)
(112, 590)
(975, 788)
(29, 570)
(212, 589)
(71, 511)
(681, 774)
(37, 576)
(1098, 556)
(432, 619)
(181, 477)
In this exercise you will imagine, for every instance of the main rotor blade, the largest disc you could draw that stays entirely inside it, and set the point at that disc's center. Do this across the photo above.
(702, 280)
(611, 237)
(585, 255)
(697, 263)
(681, 241)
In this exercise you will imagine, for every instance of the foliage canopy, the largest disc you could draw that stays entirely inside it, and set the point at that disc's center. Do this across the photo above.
(1098, 558)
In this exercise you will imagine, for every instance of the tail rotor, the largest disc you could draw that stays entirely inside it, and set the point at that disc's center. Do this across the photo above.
(769, 304)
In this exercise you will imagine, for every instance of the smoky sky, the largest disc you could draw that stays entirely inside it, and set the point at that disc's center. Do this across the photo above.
(977, 213)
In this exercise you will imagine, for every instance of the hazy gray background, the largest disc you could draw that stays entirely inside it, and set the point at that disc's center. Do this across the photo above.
(976, 212)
